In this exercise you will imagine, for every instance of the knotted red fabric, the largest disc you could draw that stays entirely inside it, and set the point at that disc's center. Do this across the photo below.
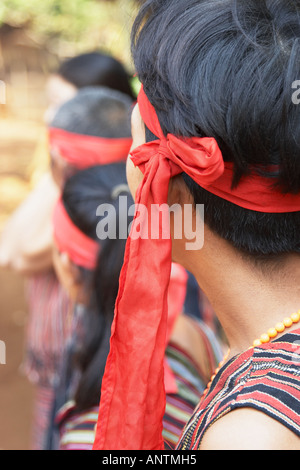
(133, 393)
(83, 151)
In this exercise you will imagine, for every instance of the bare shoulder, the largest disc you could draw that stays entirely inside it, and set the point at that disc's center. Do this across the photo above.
(248, 429)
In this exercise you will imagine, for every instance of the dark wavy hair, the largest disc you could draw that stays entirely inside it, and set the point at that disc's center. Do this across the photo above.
(96, 68)
(96, 111)
(225, 69)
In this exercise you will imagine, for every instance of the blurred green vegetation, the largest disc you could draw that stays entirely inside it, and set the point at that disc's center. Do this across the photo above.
(74, 26)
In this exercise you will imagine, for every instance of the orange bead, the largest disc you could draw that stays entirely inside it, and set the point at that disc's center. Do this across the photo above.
(256, 343)
(265, 338)
(295, 317)
(280, 327)
(287, 322)
(272, 332)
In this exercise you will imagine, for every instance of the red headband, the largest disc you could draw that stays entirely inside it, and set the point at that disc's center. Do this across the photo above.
(84, 151)
(82, 250)
(133, 395)
(254, 192)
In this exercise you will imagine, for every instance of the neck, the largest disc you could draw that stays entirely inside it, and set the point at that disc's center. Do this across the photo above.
(248, 300)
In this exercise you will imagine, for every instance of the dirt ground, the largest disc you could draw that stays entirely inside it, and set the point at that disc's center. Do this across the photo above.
(17, 149)
(16, 394)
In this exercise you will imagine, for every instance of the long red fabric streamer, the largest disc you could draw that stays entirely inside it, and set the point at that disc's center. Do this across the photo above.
(133, 393)
(83, 151)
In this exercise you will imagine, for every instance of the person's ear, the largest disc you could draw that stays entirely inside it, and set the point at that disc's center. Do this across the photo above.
(58, 167)
(71, 271)
(78, 291)
(186, 221)
(179, 192)
(67, 273)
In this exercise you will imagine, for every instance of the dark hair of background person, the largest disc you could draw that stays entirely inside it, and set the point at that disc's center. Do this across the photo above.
(82, 194)
(96, 69)
(96, 111)
(225, 70)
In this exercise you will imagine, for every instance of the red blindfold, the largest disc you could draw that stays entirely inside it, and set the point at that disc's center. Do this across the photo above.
(83, 151)
(82, 250)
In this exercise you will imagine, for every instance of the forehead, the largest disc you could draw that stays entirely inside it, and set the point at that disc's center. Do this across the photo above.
(136, 118)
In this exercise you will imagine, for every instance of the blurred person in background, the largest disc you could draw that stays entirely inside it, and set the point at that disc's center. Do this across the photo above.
(88, 262)
(89, 69)
(91, 128)
(31, 253)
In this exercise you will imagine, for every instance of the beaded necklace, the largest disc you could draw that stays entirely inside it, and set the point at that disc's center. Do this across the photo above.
(264, 339)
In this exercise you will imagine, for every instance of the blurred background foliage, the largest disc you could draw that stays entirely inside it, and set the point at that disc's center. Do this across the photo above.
(67, 27)
(35, 37)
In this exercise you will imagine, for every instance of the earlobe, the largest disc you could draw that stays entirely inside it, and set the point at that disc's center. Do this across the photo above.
(76, 274)
(71, 270)
(178, 192)
(65, 260)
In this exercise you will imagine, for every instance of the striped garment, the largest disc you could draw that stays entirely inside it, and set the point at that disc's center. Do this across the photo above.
(77, 429)
(266, 378)
(48, 329)
(191, 383)
(43, 399)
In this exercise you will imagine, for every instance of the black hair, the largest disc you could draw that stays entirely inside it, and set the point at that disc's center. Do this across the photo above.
(82, 195)
(96, 69)
(96, 111)
(225, 69)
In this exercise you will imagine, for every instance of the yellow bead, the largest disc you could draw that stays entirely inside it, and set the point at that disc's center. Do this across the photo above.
(280, 327)
(265, 338)
(287, 322)
(272, 332)
(295, 317)
(256, 343)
